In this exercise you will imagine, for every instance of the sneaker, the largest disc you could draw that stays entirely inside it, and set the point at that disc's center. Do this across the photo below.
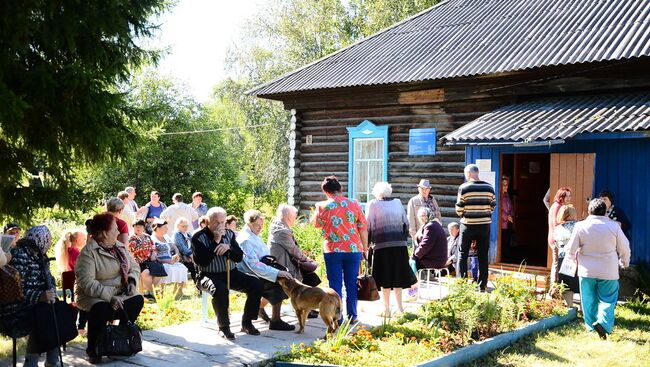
(281, 325)
(250, 329)
(226, 333)
(313, 314)
(263, 315)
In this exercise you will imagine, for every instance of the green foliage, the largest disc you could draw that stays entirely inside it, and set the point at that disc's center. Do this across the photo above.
(62, 64)
(165, 161)
(463, 317)
(371, 16)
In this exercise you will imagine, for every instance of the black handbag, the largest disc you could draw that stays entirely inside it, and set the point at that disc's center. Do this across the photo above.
(124, 339)
(273, 262)
(50, 319)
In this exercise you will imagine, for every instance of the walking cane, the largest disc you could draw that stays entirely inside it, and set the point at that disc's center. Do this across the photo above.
(45, 262)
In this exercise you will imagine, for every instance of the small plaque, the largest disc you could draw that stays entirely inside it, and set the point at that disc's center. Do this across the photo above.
(422, 142)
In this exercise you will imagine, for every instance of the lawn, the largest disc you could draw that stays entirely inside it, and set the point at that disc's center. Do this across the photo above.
(572, 345)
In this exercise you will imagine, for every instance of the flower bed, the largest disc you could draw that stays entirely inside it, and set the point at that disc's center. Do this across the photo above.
(437, 328)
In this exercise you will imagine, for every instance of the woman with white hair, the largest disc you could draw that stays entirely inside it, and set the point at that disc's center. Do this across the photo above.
(388, 232)
(182, 238)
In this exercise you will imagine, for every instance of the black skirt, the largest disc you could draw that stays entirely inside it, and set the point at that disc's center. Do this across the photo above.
(390, 268)
(570, 282)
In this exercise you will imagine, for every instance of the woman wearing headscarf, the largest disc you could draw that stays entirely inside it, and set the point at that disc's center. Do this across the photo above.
(107, 280)
(432, 252)
(30, 260)
(388, 232)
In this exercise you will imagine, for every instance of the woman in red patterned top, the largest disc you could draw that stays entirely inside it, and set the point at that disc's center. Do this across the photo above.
(344, 228)
(144, 252)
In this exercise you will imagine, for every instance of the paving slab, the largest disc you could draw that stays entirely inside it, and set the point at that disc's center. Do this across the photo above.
(195, 344)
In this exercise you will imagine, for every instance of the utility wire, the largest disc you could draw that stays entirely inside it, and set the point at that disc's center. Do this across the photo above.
(212, 130)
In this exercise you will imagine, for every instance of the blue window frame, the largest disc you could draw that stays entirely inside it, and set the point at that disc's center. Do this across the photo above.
(367, 159)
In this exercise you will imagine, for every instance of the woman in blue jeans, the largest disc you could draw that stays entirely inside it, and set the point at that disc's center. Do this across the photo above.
(346, 239)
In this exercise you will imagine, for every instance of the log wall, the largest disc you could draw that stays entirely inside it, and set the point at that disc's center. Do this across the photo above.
(320, 119)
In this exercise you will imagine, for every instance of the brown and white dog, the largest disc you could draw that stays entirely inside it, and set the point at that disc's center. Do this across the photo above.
(305, 298)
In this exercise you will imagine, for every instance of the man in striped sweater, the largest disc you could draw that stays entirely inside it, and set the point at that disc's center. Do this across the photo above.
(475, 204)
(216, 252)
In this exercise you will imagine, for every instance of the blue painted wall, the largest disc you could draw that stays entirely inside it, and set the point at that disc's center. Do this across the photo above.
(622, 167)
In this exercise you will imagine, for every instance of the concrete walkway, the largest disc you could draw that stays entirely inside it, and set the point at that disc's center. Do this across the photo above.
(193, 344)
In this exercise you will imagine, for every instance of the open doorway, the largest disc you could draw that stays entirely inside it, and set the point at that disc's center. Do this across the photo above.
(529, 180)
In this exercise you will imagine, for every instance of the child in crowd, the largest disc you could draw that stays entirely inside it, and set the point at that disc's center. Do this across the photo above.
(66, 252)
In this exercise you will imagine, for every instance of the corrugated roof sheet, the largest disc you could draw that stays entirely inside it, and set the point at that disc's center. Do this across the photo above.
(471, 37)
(558, 118)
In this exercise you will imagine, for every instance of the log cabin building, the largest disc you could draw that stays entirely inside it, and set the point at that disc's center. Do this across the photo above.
(548, 92)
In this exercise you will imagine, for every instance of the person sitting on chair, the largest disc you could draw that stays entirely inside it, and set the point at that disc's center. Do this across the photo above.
(216, 252)
(254, 249)
(431, 252)
(29, 258)
(107, 280)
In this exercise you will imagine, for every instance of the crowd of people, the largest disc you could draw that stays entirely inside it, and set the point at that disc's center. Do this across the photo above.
(125, 252)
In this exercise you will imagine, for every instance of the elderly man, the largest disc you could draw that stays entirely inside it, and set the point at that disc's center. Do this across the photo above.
(254, 250)
(179, 210)
(422, 199)
(600, 246)
(216, 252)
(475, 203)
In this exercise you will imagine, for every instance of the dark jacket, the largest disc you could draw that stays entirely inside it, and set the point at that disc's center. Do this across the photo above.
(432, 249)
(35, 277)
(203, 246)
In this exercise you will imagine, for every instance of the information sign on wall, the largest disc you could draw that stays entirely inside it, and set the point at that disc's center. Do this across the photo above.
(422, 142)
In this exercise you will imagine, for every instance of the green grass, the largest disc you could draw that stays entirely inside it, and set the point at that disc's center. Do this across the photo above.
(572, 345)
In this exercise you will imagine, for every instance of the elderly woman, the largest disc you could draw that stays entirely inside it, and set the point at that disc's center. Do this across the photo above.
(432, 251)
(567, 217)
(388, 233)
(285, 248)
(182, 238)
(562, 197)
(599, 245)
(168, 254)
(254, 250)
(144, 253)
(115, 206)
(282, 243)
(29, 258)
(107, 280)
(345, 231)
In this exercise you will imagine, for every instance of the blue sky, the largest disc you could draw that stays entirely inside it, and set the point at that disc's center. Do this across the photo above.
(198, 33)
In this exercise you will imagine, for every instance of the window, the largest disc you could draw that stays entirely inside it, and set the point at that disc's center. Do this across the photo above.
(368, 159)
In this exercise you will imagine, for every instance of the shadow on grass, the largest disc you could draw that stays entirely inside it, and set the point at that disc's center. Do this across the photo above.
(526, 346)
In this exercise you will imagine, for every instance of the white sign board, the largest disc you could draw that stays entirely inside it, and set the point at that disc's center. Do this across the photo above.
(484, 165)
(489, 177)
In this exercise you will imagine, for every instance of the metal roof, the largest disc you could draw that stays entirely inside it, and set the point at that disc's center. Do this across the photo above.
(472, 37)
(558, 119)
